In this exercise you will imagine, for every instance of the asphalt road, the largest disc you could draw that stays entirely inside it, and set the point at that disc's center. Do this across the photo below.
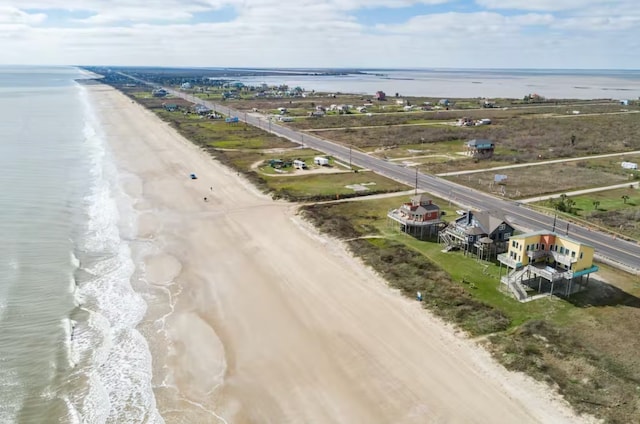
(615, 251)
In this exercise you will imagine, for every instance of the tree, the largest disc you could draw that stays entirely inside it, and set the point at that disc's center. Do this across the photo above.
(596, 204)
(625, 198)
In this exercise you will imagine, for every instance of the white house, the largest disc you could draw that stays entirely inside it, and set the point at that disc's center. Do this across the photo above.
(322, 161)
(186, 86)
(629, 165)
(299, 164)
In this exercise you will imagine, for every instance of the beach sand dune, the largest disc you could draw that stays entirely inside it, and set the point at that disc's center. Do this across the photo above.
(253, 317)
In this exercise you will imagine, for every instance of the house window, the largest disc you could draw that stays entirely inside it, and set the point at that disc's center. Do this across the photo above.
(561, 250)
(573, 254)
(502, 227)
(581, 255)
(519, 258)
(506, 236)
(542, 245)
(513, 244)
(537, 246)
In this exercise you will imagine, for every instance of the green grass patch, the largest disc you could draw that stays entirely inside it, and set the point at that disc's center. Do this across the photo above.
(331, 186)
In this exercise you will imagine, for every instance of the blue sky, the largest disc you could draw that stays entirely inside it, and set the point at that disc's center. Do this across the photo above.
(323, 33)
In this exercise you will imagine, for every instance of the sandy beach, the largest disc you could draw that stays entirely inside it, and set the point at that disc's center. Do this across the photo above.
(254, 317)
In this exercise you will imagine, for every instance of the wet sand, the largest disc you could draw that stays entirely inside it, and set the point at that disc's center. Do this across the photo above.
(253, 317)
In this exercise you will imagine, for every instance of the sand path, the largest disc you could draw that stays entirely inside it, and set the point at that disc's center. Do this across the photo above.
(273, 323)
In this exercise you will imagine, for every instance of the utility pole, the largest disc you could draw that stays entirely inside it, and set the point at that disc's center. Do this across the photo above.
(554, 222)
(416, 180)
(567, 228)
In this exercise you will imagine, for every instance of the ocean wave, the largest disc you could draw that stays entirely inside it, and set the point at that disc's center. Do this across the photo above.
(111, 359)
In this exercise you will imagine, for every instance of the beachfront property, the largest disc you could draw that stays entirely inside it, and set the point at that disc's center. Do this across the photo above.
(480, 148)
(544, 263)
(483, 233)
(419, 217)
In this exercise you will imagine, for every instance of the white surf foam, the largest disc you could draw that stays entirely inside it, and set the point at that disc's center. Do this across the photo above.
(109, 351)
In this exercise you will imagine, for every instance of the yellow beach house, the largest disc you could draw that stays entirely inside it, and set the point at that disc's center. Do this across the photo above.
(547, 263)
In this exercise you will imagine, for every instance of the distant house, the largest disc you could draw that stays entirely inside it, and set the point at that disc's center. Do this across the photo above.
(444, 102)
(546, 263)
(380, 96)
(484, 121)
(170, 107)
(480, 148)
(159, 92)
(299, 164)
(322, 161)
(201, 110)
(464, 122)
(408, 108)
(419, 217)
(484, 233)
(186, 86)
(629, 165)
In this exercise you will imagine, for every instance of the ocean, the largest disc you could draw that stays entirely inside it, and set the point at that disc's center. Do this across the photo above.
(472, 83)
(69, 348)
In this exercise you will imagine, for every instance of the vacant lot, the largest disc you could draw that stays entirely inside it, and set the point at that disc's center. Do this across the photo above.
(586, 346)
(518, 139)
(537, 180)
(615, 210)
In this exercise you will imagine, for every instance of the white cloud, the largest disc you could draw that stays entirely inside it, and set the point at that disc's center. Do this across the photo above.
(316, 33)
(13, 15)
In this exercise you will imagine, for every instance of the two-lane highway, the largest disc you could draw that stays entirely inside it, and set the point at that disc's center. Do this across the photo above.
(608, 248)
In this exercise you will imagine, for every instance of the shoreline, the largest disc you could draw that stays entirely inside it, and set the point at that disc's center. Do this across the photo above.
(285, 308)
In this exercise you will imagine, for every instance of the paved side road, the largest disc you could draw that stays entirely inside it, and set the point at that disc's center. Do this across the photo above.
(621, 253)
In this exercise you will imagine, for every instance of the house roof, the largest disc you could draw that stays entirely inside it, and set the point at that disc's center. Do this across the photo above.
(550, 233)
(488, 221)
(480, 142)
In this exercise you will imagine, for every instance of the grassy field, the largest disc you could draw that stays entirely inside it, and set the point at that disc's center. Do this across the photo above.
(608, 210)
(586, 346)
(532, 181)
(520, 139)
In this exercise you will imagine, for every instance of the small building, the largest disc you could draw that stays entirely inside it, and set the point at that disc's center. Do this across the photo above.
(320, 160)
(159, 92)
(624, 102)
(485, 121)
(170, 107)
(408, 108)
(380, 96)
(232, 120)
(465, 121)
(419, 217)
(484, 233)
(629, 165)
(186, 86)
(362, 109)
(299, 164)
(282, 110)
(444, 102)
(544, 263)
(201, 110)
(480, 148)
